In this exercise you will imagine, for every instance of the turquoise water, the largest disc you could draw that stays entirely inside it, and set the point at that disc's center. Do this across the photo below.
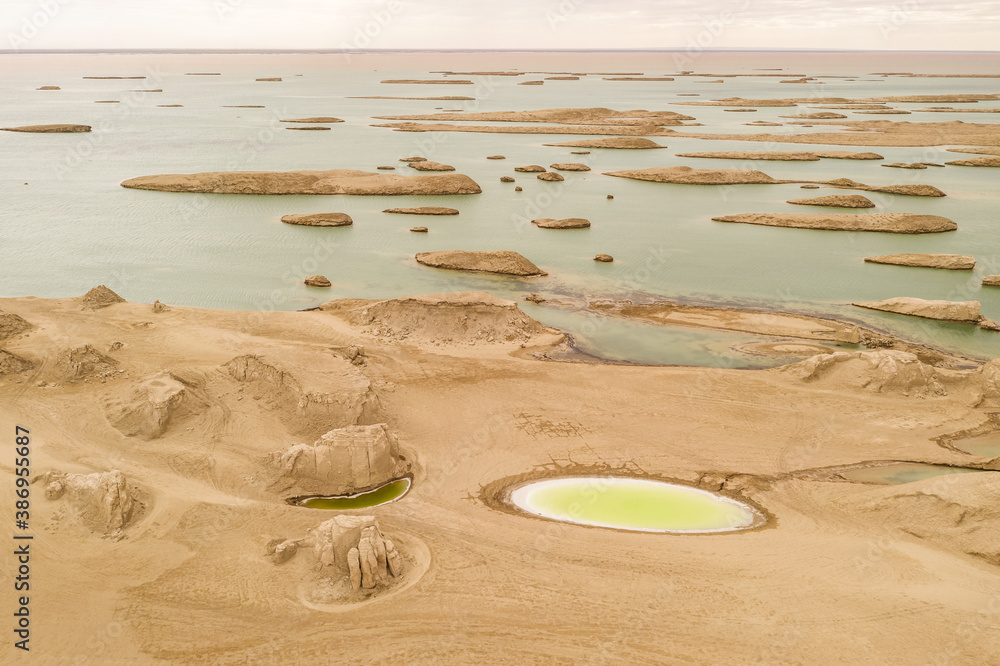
(72, 226)
(633, 504)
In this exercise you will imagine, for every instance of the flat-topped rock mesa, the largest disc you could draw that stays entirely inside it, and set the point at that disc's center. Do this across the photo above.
(786, 156)
(99, 297)
(620, 143)
(820, 115)
(319, 220)
(102, 501)
(48, 129)
(962, 311)
(470, 317)
(836, 200)
(342, 461)
(318, 119)
(335, 181)
(85, 362)
(327, 391)
(569, 166)
(950, 262)
(987, 161)
(565, 223)
(144, 408)
(12, 325)
(429, 165)
(454, 82)
(991, 280)
(501, 262)
(12, 364)
(423, 210)
(562, 116)
(897, 223)
(530, 168)
(688, 176)
(550, 176)
(345, 560)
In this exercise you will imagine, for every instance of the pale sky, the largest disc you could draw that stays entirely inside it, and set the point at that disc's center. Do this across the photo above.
(507, 24)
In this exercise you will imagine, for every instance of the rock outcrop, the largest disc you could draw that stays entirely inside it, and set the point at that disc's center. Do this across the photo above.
(897, 223)
(343, 461)
(991, 280)
(565, 223)
(569, 166)
(12, 364)
(103, 501)
(318, 281)
(632, 143)
(531, 168)
(988, 161)
(99, 297)
(550, 176)
(144, 409)
(963, 311)
(423, 210)
(319, 119)
(688, 176)
(85, 363)
(604, 258)
(950, 262)
(335, 181)
(347, 551)
(319, 220)
(48, 129)
(836, 200)
(12, 325)
(821, 115)
(501, 262)
(886, 370)
(456, 318)
(428, 165)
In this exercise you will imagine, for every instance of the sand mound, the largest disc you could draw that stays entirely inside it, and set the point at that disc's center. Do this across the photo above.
(565, 223)
(349, 558)
(102, 501)
(951, 262)
(964, 311)
(897, 223)
(502, 262)
(319, 220)
(320, 119)
(883, 371)
(12, 364)
(464, 317)
(12, 324)
(144, 409)
(957, 512)
(688, 176)
(423, 210)
(343, 461)
(48, 129)
(335, 181)
(85, 363)
(569, 166)
(989, 161)
(837, 200)
(631, 143)
(99, 297)
(326, 391)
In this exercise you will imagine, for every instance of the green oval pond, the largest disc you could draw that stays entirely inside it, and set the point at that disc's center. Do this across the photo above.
(634, 504)
(390, 492)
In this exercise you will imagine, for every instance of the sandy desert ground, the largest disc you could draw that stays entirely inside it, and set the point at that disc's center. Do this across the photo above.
(842, 572)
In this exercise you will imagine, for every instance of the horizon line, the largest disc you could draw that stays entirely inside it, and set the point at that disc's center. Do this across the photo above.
(473, 50)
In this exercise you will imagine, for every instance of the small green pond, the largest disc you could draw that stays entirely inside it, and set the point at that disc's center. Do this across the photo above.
(901, 472)
(634, 504)
(390, 492)
(987, 445)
